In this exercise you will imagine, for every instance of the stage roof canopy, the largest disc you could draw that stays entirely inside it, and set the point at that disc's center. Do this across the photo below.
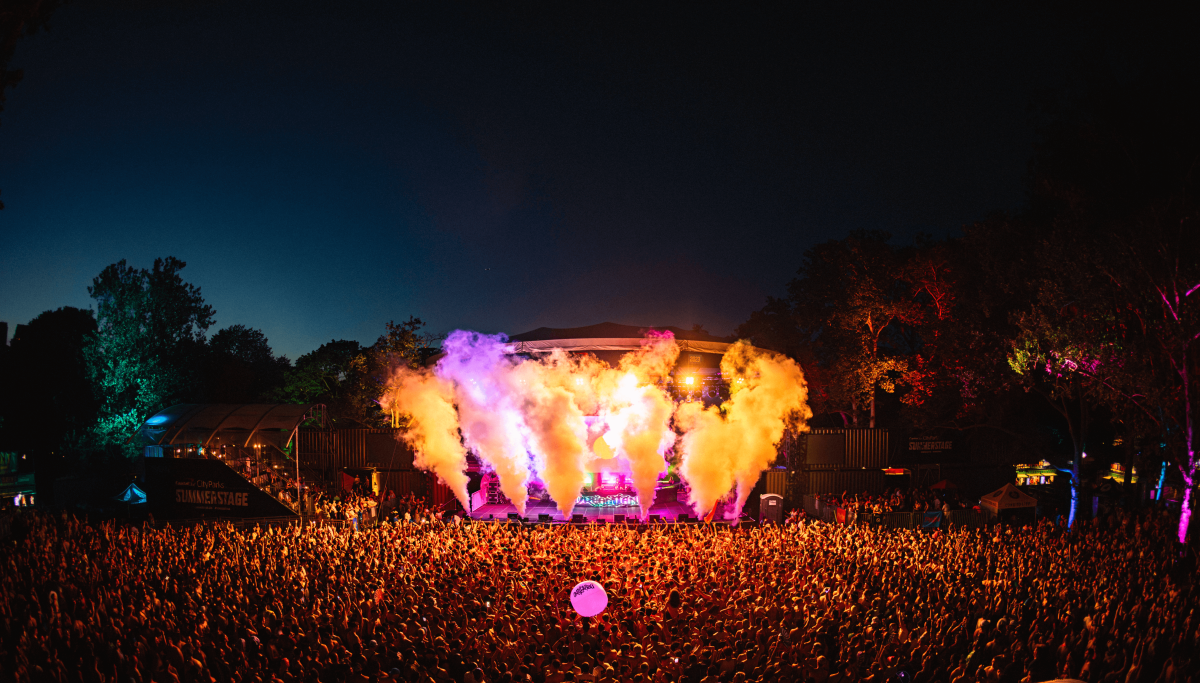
(611, 337)
(612, 330)
(198, 423)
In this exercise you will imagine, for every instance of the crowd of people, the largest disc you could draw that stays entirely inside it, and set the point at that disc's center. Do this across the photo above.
(897, 500)
(276, 481)
(360, 504)
(1106, 602)
(343, 505)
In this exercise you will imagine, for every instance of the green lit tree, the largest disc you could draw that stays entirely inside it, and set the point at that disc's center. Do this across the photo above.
(145, 352)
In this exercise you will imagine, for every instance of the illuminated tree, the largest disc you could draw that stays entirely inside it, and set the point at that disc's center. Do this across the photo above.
(1118, 328)
(864, 317)
(848, 302)
(932, 319)
(145, 353)
(1158, 281)
(1116, 311)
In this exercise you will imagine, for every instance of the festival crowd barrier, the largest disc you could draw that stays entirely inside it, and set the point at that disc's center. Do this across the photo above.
(815, 508)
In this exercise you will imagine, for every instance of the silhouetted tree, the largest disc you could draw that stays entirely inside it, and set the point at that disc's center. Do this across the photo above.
(242, 368)
(324, 376)
(47, 408)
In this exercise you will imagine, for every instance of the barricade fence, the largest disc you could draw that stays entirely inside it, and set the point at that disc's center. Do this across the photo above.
(814, 508)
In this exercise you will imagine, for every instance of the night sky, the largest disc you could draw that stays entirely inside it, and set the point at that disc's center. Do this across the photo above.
(326, 167)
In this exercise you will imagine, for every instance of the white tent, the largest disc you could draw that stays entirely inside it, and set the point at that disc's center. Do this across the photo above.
(1007, 497)
(132, 494)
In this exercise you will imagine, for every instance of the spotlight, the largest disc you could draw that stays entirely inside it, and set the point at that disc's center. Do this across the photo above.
(689, 381)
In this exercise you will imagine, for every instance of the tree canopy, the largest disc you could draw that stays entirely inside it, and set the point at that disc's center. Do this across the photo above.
(242, 367)
(144, 353)
(327, 376)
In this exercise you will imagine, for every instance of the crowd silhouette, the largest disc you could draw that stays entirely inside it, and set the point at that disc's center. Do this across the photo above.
(108, 602)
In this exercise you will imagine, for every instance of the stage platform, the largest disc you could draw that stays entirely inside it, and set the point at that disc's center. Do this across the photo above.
(667, 512)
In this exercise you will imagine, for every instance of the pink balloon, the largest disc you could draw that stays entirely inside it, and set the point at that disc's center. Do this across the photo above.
(588, 598)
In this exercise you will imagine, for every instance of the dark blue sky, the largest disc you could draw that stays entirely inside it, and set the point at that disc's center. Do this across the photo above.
(326, 167)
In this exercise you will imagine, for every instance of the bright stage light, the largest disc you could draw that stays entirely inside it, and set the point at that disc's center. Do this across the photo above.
(603, 448)
(690, 380)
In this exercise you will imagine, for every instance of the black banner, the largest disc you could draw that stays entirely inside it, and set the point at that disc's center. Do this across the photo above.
(185, 488)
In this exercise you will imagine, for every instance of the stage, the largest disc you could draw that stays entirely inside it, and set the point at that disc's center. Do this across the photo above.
(596, 504)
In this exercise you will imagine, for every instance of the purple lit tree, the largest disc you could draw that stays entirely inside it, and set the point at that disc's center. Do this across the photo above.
(1115, 253)
(1157, 280)
(1063, 348)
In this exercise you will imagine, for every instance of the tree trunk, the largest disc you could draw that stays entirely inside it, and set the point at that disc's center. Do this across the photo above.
(872, 410)
(1130, 491)
(1185, 512)
(1162, 476)
(1078, 442)
(1189, 473)
(1074, 486)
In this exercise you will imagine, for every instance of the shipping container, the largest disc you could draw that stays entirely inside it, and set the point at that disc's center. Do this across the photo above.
(329, 450)
(442, 495)
(837, 449)
(851, 481)
(867, 448)
(777, 481)
(404, 482)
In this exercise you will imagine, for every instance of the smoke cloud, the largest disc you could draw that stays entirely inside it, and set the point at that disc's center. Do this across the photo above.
(491, 422)
(557, 432)
(734, 443)
(433, 429)
(525, 418)
(639, 413)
